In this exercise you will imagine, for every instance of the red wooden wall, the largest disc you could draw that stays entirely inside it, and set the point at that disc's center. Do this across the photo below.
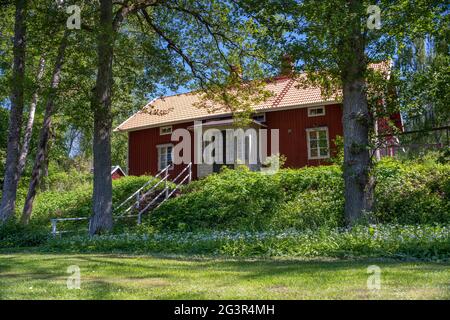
(143, 154)
(293, 124)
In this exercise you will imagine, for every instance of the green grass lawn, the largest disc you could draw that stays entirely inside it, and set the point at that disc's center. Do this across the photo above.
(43, 276)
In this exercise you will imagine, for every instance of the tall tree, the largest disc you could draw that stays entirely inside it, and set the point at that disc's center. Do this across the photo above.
(30, 122)
(358, 180)
(194, 43)
(101, 220)
(8, 202)
(44, 137)
(334, 43)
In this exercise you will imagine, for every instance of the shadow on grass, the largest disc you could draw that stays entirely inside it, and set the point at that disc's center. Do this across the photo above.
(104, 275)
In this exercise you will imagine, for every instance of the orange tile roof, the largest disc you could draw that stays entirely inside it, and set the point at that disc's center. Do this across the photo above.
(182, 107)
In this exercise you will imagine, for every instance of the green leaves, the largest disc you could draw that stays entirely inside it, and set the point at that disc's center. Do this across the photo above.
(309, 198)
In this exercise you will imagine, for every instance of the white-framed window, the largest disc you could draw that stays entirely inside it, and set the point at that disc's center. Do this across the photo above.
(165, 130)
(318, 143)
(316, 111)
(165, 156)
(260, 117)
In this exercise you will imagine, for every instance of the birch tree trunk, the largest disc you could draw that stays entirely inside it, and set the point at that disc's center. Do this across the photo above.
(8, 203)
(358, 180)
(29, 127)
(44, 137)
(101, 220)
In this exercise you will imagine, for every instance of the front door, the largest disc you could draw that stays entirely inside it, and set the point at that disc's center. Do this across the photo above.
(218, 166)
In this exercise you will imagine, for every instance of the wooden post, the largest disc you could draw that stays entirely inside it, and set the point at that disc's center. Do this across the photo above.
(138, 200)
(190, 172)
(165, 182)
(54, 221)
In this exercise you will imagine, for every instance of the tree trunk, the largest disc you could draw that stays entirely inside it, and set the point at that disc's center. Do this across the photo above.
(45, 132)
(29, 128)
(101, 220)
(8, 203)
(359, 183)
(357, 162)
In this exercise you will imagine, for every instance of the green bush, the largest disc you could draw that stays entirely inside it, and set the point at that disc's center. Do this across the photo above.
(244, 200)
(307, 198)
(312, 209)
(412, 193)
(62, 181)
(13, 234)
(234, 199)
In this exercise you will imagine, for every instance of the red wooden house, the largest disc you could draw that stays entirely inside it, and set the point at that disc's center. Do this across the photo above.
(308, 125)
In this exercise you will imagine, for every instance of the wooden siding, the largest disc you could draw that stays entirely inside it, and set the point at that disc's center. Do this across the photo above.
(292, 123)
(143, 152)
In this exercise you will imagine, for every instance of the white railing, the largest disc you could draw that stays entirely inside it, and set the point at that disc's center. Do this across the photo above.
(167, 191)
(137, 194)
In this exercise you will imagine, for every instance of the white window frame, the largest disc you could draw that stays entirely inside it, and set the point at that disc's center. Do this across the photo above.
(263, 115)
(315, 108)
(161, 130)
(159, 148)
(318, 150)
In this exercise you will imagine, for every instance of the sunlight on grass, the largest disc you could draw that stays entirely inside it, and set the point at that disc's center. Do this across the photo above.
(43, 276)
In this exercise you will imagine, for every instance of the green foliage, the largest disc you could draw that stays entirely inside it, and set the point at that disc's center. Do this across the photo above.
(307, 198)
(234, 199)
(245, 200)
(13, 234)
(62, 201)
(374, 241)
(311, 209)
(76, 201)
(63, 181)
(444, 155)
(413, 192)
(425, 91)
(338, 156)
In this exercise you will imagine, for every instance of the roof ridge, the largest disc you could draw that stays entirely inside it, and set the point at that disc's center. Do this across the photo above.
(193, 92)
(283, 93)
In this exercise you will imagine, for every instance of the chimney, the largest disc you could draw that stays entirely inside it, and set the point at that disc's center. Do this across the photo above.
(287, 65)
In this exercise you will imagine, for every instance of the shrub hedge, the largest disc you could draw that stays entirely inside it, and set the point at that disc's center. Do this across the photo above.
(308, 198)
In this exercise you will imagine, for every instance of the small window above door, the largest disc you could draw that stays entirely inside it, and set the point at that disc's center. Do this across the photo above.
(165, 130)
(316, 111)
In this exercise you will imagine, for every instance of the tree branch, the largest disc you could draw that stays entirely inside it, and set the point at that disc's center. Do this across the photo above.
(173, 46)
(127, 8)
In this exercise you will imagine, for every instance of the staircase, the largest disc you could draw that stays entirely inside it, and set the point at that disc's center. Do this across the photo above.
(150, 196)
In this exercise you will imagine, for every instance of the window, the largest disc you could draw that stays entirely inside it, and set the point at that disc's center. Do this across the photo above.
(316, 111)
(260, 117)
(318, 147)
(165, 130)
(164, 156)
